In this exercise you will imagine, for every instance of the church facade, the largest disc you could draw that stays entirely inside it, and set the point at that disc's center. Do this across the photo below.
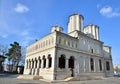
(80, 53)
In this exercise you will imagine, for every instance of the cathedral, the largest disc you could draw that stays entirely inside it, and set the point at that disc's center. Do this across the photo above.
(80, 53)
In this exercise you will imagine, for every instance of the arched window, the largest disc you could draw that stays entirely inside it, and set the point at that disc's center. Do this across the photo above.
(62, 61)
(71, 62)
(44, 62)
(49, 61)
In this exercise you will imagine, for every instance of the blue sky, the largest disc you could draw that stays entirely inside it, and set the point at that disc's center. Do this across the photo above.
(26, 20)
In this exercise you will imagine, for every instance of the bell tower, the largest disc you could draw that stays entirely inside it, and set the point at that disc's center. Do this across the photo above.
(75, 23)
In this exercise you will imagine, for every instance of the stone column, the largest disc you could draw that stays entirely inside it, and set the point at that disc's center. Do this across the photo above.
(31, 64)
(94, 62)
(37, 68)
(26, 64)
(47, 62)
(84, 64)
(66, 64)
(42, 63)
(75, 67)
(34, 64)
(38, 62)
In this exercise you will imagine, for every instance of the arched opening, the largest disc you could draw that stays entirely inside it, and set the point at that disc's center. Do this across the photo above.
(32, 63)
(49, 61)
(62, 61)
(71, 62)
(107, 66)
(71, 65)
(44, 62)
(92, 64)
(39, 62)
(36, 63)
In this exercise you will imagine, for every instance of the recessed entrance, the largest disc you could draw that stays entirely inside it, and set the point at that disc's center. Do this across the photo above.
(71, 65)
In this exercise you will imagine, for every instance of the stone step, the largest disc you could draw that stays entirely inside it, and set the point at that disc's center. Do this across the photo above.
(71, 79)
(30, 77)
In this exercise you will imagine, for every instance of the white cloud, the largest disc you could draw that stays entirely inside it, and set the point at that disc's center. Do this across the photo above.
(20, 8)
(108, 11)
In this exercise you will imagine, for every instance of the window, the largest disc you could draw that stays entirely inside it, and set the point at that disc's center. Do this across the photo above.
(92, 64)
(71, 62)
(62, 61)
(107, 66)
(91, 50)
(100, 64)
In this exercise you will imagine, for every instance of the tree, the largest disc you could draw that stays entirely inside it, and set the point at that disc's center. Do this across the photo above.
(14, 54)
(23, 53)
(3, 49)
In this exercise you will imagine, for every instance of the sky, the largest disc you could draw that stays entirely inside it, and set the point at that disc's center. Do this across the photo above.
(25, 21)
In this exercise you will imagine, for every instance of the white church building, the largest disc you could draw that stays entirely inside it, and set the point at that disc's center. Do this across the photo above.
(79, 53)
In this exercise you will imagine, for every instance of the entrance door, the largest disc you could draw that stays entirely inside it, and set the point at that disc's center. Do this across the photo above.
(71, 66)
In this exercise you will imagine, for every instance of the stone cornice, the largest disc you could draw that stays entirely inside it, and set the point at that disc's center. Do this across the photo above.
(79, 51)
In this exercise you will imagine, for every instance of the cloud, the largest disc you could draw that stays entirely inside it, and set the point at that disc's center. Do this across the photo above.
(20, 8)
(108, 12)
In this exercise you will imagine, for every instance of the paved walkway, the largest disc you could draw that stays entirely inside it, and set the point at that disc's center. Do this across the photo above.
(11, 79)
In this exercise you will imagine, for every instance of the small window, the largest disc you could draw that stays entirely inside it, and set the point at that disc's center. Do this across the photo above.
(91, 50)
